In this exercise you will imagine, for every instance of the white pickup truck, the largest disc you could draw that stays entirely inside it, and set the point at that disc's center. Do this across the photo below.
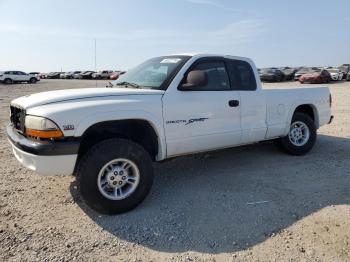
(165, 107)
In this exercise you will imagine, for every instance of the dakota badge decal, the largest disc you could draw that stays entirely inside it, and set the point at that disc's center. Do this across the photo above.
(187, 122)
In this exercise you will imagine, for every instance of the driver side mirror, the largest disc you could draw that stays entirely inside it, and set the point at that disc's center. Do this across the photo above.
(195, 78)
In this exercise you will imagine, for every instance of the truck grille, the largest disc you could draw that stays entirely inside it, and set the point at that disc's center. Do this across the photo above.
(17, 118)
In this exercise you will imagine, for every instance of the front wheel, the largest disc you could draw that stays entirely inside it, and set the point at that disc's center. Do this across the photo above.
(115, 176)
(301, 137)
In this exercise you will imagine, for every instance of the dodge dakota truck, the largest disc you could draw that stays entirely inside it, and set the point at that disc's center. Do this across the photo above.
(166, 107)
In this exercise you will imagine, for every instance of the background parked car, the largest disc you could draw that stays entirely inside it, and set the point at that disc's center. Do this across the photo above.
(288, 72)
(38, 74)
(54, 75)
(336, 74)
(42, 75)
(305, 70)
(84, 75)
(316, 77)
(9, 77)
(69, 75)
(115, 75)
(271, 74)
(105, 74)
(345, 68)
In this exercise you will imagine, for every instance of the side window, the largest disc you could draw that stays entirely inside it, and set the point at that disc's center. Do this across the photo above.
(217, 76)
(241, 75)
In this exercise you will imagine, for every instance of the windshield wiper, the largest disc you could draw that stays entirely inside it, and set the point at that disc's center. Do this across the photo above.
(128, 84)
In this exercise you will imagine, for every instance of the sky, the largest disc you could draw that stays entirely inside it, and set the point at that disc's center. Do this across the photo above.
(47, 35)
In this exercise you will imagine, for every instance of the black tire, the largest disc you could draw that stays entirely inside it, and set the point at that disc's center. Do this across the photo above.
(285, 144)
(8, 81)
(33, 80)
(97, 157)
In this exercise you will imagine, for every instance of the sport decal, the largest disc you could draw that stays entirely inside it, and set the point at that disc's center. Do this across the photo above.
(187, 122)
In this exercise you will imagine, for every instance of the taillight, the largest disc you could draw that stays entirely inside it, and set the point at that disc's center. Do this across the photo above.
(330, 100)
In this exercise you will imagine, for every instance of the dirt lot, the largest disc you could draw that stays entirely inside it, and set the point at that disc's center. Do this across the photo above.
(198, 209)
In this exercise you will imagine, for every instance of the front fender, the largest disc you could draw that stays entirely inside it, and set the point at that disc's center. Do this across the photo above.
(99, 117)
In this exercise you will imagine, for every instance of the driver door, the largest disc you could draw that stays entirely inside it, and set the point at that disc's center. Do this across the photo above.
(204, 117)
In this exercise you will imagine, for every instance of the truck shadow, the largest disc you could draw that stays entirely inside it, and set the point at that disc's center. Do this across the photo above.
(232, 199)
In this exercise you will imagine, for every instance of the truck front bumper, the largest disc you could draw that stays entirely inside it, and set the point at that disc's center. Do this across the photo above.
(44, 157)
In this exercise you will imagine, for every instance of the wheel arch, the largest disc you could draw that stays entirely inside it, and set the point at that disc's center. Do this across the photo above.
(307, 108)
(140, 131)
(310, 110)
(8, 78)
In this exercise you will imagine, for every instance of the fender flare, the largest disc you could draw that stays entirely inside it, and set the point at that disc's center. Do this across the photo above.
(106, 116)
(294, 107)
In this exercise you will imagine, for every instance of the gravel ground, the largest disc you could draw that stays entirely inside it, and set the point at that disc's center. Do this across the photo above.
(302, 214)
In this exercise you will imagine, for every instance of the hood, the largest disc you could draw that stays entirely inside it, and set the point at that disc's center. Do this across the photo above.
(50, 97)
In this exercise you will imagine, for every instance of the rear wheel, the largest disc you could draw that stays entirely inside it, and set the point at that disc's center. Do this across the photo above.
(8, 81)
(115, 176)
(33, 80)
(301, 137)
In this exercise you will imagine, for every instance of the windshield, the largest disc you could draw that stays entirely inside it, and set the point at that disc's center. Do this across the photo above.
(152, 74)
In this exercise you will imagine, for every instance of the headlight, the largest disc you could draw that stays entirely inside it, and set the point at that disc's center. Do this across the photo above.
(41, 127)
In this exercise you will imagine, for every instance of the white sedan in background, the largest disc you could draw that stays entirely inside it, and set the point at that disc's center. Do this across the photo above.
(10, 77)
(336, 74)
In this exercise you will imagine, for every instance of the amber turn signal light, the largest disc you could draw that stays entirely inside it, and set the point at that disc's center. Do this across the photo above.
(44, 134)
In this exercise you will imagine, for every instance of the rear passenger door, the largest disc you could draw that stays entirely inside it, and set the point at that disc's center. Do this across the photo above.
(21, 76)
(253, 104)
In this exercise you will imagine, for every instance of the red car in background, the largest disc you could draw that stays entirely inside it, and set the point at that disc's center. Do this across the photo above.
(115, 75)
(316, 77)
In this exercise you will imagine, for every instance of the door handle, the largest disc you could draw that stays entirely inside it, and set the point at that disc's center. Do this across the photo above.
(233, 103)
